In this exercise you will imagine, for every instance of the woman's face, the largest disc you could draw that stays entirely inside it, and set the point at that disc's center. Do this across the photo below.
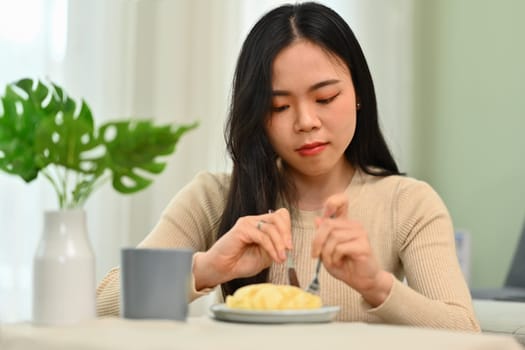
(313, 116)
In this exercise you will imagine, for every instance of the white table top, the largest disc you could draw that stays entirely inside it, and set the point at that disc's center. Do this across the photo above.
(206, 333)
(503, 317)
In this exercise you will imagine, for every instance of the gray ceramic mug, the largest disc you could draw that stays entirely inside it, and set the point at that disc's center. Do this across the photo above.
(155, 283)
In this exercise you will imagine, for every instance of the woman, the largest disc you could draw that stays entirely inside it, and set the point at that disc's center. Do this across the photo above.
(312, 174)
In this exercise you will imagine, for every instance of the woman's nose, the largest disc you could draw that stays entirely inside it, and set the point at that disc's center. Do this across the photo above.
(306, 119)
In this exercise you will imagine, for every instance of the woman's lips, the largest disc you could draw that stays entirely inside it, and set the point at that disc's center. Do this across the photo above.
(311, 149)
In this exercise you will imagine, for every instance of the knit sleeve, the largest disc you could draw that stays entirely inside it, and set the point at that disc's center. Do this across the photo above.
(436, 294)
(190, 221)
(192, 217)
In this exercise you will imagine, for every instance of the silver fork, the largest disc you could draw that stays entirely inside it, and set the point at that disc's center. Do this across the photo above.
(313, 287)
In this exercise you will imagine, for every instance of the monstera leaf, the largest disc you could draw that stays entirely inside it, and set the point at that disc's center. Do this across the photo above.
(43, 130)
(135, 146)
(23, 109)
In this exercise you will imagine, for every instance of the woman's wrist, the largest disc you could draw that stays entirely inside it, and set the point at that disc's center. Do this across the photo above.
(377, 294)
(203, 272)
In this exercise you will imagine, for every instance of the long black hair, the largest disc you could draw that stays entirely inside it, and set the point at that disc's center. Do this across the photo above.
(256, 181)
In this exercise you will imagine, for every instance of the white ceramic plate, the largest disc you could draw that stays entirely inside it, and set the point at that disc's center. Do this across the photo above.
(224, 313)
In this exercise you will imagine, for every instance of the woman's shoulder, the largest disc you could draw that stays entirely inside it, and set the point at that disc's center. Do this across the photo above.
(208, 178)
(399, 186)
(409, 198)
(401, 181)
(206, 185)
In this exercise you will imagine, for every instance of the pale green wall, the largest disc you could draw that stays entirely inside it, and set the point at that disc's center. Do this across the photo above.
(469, 112)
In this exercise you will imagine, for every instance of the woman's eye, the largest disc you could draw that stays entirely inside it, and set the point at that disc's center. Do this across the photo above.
(326, 101)
(279, 108)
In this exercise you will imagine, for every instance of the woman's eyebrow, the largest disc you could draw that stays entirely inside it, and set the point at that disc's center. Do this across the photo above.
(310, 89)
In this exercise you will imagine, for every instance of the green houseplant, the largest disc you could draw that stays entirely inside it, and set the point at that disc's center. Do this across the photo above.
(44, 131)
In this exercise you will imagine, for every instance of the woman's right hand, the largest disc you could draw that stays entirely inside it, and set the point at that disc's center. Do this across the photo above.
(249, 247)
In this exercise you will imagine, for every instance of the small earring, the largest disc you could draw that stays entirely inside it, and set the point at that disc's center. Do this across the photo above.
(358, 105)
(279, 162)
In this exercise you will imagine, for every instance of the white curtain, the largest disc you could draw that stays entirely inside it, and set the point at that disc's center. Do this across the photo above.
(31, 43)
(169, 60)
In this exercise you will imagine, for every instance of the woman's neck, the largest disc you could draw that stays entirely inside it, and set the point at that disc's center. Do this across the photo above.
(313, 191)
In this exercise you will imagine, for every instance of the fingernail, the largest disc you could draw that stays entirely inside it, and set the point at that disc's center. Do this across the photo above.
(283, 255)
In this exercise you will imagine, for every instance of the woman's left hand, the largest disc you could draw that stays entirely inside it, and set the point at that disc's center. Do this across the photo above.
(345, 250)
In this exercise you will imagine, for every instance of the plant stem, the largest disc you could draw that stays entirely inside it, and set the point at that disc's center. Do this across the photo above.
(48, 176)
(100, 182)
(97, 182)
(64, 186)
(66, 191)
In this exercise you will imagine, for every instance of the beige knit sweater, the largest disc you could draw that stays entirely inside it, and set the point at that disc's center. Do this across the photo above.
(410, 232)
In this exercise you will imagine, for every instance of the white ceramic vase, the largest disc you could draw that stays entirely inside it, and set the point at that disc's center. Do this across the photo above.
(64, 270)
